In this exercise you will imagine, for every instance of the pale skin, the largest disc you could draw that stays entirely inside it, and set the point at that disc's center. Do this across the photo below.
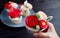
(51, 33)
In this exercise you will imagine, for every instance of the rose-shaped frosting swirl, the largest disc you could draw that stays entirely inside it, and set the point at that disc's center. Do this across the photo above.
(31, 21)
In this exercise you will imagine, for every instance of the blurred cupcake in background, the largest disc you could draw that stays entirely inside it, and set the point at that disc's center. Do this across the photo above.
(26, 7)
(10, 4)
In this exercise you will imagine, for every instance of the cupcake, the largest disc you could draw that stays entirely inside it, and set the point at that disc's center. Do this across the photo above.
(10, 4)
(13, 12)
(32, 23)
(26, 7)
(15, 15)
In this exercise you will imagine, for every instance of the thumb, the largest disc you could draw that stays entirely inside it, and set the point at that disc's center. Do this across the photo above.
(35, 34)
(51, 27)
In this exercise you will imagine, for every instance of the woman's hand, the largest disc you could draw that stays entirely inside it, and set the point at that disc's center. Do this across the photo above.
(51, 33)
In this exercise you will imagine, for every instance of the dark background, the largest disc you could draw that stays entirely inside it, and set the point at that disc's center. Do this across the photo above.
(50, 7)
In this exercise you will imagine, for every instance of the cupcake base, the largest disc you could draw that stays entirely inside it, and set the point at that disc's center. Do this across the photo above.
(36, 30)
(16, 20)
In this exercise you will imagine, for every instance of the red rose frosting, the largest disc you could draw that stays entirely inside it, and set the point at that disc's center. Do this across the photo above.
(13, 13)
(43, 24)
(31, 21)
(8, 5)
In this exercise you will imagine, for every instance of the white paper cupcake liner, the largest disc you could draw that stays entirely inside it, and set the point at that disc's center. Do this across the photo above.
(16, 20)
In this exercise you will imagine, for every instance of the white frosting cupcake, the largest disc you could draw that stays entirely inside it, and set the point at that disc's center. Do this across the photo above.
(26, 7)
(29, 6)
(42, 15)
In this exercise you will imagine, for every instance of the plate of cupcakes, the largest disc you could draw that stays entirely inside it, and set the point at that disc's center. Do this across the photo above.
(14, 14)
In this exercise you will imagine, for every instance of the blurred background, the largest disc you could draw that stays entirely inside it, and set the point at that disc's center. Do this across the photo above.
(50, 7)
